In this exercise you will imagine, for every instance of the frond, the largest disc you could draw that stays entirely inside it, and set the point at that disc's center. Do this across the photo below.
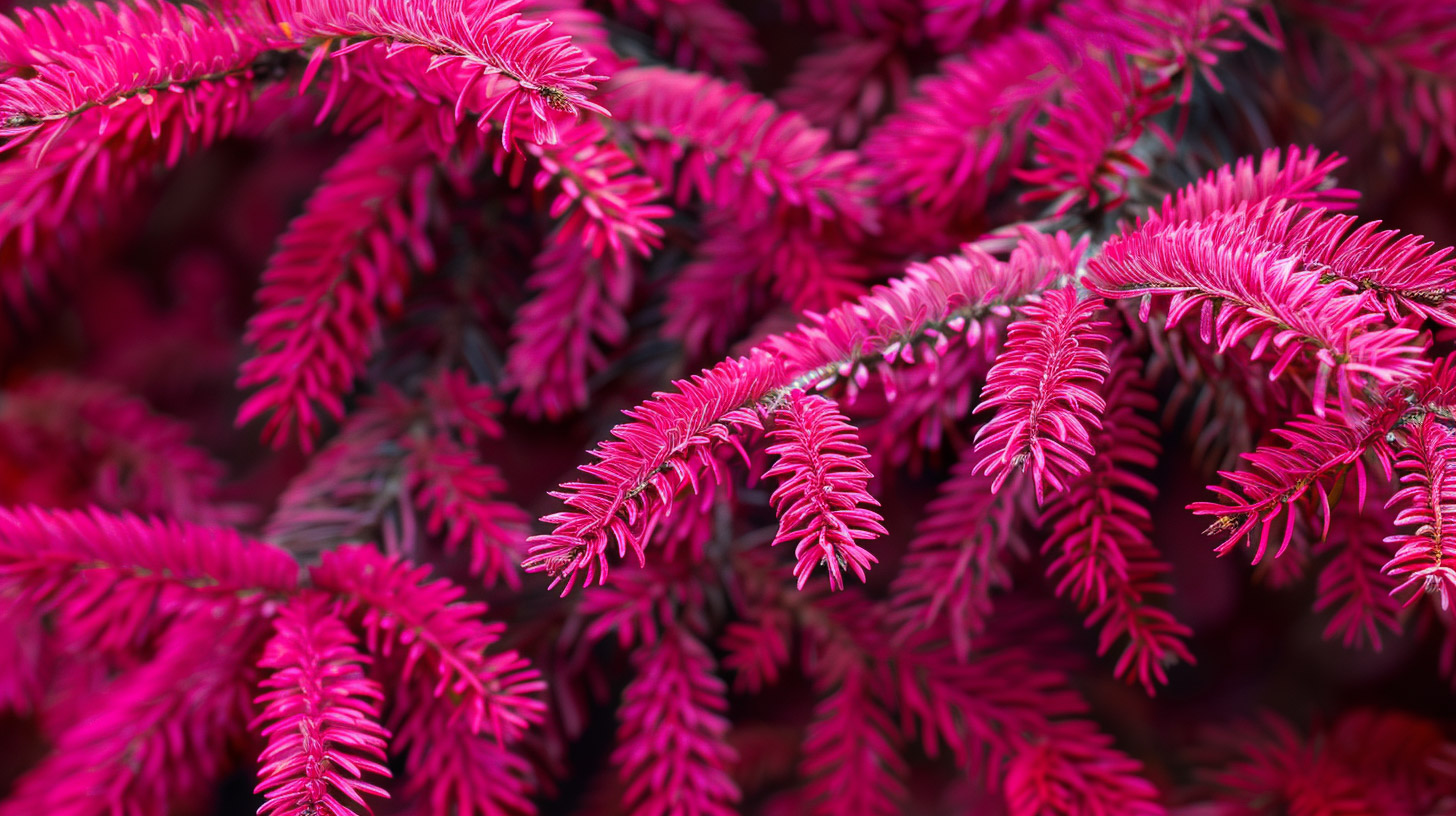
(738, 152)
(110, 573)
(958, 556)
(461, 493)
(120, 57)
(320, 716)
(914, 317)
(452, 771)
(1099, 530)
(1314, 459)
(602, 197)
(851, 752)
(1072, 768)
(339, 269)
(757, 649)
(666, 446)
(479, 56)
(425, 623)
(1426, 557)
(1086, 149)
(33, 36)
(957, 138)
(1246, 285)
(823, 489)
(585, 274)
(672, 751)
(1404, 274)
(1044, 386)
(562, 335)
(1351, 582)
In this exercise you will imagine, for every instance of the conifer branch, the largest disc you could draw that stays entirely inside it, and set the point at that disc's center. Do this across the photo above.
(671, 752)
(320, 716)
(1426, 557)
(666, 445)
(1105, 560)
(1317, 456)
(1045, 387)
(958, 556)
(1248, 286)
(822, 489)
(480, 55)
(162, 49)
(341, 267)
(432, 632)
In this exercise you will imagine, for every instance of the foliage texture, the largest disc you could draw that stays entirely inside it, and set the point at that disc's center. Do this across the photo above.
(402, 403)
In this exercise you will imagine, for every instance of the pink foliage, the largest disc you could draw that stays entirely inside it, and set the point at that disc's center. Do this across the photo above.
(1085, 148)
(1425, 500)
(343, 263)
(322, 716)
(1106, 561)
(821, 489)
(959, 555)
(1045, 388)
(168, 47)
(514, 69)
(1351, 582)
(957, 138)
(671, 752)
(423, 624)
(740, 154)
(306, 306)
(1271, 288)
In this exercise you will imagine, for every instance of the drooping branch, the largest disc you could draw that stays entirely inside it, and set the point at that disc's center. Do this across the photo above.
(320, 716)
(822, 490)
(667, 445)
